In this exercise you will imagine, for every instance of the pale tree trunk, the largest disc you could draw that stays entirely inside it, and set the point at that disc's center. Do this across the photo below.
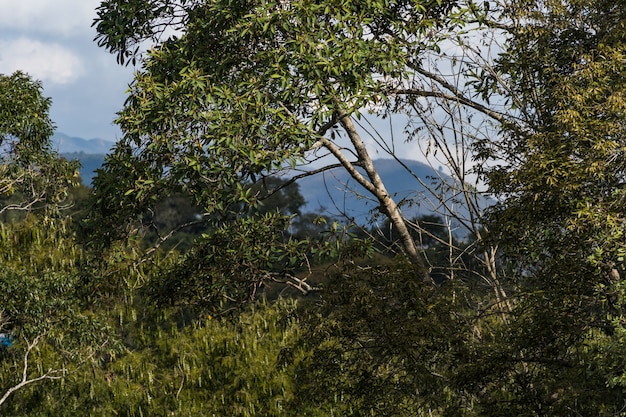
(374, 184)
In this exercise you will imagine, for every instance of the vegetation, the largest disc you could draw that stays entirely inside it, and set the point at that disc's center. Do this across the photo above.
(189, 282)
(52, 331)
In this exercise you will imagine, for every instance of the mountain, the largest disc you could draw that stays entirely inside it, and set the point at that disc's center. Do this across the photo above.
(335, 193)
(63, 143)
(90, 152)
(88, 164)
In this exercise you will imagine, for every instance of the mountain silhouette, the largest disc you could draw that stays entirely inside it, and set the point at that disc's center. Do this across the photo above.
(90, 152)
(63, 143)
(415, 186)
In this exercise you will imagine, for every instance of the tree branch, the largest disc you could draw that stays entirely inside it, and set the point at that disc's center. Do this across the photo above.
(457, 96)
(25, 381)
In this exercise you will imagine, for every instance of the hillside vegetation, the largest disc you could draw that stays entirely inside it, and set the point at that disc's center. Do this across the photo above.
(195, 279)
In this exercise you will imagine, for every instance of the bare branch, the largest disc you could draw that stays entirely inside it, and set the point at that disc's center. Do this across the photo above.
(51, 374)
(457, 97)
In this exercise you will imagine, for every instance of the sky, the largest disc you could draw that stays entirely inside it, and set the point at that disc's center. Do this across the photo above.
(52, 41)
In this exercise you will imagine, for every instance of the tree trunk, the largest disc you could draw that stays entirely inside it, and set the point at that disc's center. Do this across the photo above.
(387, 205)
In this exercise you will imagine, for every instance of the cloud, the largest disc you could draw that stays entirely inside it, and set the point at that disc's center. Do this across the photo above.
(48, 62)
(60, 17)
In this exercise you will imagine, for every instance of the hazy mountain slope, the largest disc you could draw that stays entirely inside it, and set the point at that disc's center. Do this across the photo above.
(335, 193)
(63, 143)
(89, 163)
(90, 152)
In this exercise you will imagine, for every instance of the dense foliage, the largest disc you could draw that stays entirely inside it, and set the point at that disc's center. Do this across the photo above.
(561, 221)
(255, 88)
(50, 330)
(189, 282)
(32, 175)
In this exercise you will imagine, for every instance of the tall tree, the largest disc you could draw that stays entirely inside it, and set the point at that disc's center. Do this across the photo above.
(32, 175)
(49, 331)
(560, 173)
(246, 89)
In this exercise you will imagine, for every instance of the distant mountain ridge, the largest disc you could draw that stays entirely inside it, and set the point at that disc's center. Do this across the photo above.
(90, 152)
(63, 143)
(335, 193)
(89, 163)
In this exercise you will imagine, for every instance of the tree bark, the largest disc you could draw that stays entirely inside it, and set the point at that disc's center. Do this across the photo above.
(387, 205)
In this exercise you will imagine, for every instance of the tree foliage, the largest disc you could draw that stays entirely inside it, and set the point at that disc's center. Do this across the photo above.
(560, 177)
(522, 316)
(231, 264)
(252, 88)
(32, 175)
(237, 367)
(384, 345)
(51, 331)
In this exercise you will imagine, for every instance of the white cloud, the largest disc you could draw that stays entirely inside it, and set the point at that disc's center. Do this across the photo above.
(48, 62)
(60, 17)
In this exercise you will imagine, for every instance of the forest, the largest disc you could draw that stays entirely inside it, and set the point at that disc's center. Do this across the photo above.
(188, 280)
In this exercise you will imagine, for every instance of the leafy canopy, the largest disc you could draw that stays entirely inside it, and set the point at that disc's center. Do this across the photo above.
(250, 88)
(32, 175)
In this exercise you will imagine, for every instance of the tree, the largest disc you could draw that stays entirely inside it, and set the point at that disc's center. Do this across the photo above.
(51, 332)
(384, 345)
(559, 175)
(232, 263)
(249, 89)
(238, 366)
(33, 175)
